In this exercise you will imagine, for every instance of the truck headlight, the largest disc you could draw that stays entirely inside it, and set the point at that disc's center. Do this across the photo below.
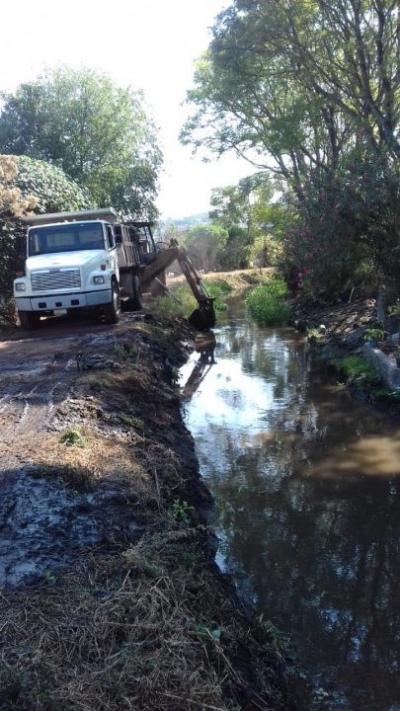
(98, 279)
(20, 286)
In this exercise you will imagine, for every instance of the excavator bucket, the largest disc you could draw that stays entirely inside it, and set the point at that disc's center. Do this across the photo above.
(203, 318)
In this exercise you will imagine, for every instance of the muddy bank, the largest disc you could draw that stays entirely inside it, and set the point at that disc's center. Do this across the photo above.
(110, 595)
(345, 323)
(342, 333)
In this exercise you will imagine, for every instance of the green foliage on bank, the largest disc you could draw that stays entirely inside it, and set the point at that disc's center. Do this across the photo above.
(219, 289)
(183, 303)
(266, 304)
(354, 367)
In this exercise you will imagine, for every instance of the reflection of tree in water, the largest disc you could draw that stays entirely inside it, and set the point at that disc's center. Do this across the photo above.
(319, 555)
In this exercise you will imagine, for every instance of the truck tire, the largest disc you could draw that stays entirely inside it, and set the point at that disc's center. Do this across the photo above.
(113, 311)
(29, 320)
(137, 298)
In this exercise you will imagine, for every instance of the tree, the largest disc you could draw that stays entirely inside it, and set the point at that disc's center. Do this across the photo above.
(205, 243)
(97, 133)
(309, 89)
(295, 80)
(50, 187)
(347, 226)
(247, 212)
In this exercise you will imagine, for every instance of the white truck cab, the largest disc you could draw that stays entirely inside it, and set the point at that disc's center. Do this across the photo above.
(77, 261)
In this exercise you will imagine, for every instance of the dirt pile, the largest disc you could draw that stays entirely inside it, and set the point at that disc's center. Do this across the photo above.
(110, 595)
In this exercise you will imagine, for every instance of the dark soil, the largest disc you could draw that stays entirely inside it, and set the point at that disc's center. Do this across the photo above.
(111, 598)
(345, 323)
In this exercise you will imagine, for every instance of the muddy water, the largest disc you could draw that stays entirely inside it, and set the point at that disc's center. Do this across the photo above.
(307, 488)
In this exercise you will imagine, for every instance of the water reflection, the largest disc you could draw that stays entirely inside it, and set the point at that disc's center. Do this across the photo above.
(306, 482)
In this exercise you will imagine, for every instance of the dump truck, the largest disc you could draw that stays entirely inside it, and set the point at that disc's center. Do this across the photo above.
(91, 260)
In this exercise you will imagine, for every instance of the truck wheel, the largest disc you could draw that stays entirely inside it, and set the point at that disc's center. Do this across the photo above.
(29, 320)
(137, 297)
(113, 311)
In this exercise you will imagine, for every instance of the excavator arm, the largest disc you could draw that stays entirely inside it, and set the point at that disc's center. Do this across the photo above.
(202, 318)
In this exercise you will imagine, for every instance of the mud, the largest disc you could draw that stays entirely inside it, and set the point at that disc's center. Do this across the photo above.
(43, 522)
(44, 526)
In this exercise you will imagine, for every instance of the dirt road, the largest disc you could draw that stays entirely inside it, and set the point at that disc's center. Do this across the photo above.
(37, 372)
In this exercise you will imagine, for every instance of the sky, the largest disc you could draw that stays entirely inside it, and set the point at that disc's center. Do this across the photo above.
(146, 44)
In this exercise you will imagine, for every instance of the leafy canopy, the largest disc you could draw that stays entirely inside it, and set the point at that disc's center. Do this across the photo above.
(205, 244)
(289, 83)
(309, 89)
(98, 133)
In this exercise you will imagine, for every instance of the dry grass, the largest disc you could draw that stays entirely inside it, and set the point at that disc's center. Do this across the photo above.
(148, 629)
(238, 279)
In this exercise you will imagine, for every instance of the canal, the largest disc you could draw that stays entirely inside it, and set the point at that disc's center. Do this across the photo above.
(306, 482)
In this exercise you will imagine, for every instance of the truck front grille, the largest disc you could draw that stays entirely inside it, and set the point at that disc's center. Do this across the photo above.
(54, 279)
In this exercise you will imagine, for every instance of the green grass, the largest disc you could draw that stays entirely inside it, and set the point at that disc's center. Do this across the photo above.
(73, 438)
(219, 288)
(170, 308)
(354, 367)
(266, 306)
(359, 373)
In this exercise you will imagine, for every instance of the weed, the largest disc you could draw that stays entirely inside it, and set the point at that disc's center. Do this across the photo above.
(126, 351)
(355, 367)
(73, 438)
(374, 334)
(180, 302)
(190, 558)
(168, 308)
(219, 288)
(316, 335)
(132, 421)
(49, 577)
(207, 633)
(277, 287)
(279, 639)
(181, 511)
(142, 563)
(175, 376)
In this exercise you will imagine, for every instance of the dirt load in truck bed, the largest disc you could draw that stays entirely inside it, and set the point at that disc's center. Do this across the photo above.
(110, 597)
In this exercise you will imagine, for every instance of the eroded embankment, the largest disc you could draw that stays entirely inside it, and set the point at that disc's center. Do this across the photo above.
(110, 595)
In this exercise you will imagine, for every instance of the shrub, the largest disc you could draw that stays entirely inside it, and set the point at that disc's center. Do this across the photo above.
(219, 288)
(266, 306)
(52, 189)
(167, 306)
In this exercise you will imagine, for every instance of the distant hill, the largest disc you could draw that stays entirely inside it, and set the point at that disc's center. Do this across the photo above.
(183, 223)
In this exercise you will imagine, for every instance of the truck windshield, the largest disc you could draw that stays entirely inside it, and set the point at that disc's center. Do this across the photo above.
(65, 238)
